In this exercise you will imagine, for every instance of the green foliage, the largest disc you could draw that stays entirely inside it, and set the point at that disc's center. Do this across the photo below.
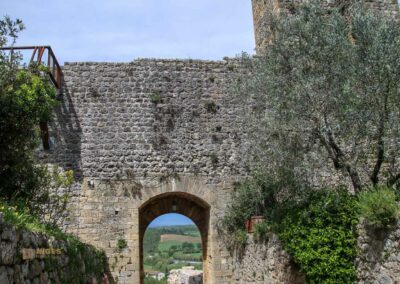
(150, 280)
(240, 238)
(259, 196)
(94, 260)
(331, 85)
(320, 235)
(261, 231)
(214, 159)
(378, 207)
(316, 227)
(121, 244)
(27, 98)
(211, 106)
(156, 97)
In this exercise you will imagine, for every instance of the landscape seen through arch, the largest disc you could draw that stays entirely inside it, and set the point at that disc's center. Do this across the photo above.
(172, 246)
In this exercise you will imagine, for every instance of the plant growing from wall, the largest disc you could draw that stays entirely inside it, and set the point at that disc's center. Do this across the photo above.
(83, 260)
(378, 207)
(316, 227)
(214, 159)
(211, 106)
(261, 231)
(320, 234)
(121, 244)
(156, 97)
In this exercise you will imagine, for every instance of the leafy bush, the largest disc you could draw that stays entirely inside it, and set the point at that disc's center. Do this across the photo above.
(261, 231)
(156, 97)
(240, 238)
(260, 195)
(121, 244)
(320, 235)
(378, 207)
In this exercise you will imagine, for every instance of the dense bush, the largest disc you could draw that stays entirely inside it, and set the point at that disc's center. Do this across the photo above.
(378, 207)
(261, 231)
(258, 196)
(27, 98)
(316, 227)
(320, 235)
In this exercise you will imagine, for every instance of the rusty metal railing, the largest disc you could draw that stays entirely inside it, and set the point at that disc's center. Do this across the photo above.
(39, 56)
(48, 59)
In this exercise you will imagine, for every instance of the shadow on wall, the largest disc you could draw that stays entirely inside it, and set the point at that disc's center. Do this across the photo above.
(65, 137)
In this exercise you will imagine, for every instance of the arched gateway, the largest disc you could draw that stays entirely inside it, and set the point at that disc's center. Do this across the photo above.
(183, 203)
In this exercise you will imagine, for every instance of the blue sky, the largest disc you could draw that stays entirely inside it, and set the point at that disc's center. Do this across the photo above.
(170, 219)
(122, 30)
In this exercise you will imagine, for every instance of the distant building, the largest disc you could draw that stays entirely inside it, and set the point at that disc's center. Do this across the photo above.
(155, 274)
(186, 275)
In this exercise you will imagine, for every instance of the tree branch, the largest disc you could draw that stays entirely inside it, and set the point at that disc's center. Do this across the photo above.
(380, 151)
(337, 156)
(393, 180)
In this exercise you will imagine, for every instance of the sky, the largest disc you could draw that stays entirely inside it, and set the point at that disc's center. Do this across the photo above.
(123, 30)
(170, 219)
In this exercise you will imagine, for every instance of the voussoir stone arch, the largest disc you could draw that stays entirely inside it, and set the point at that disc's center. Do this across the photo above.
(178, 202)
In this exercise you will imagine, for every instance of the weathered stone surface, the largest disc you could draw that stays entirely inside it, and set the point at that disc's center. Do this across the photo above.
(265, 262)
(378, 260)
(15, 269)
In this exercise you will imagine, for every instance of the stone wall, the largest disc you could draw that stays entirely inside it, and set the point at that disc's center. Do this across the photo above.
(379, 255)
(261, 8)
(40, 268)
(265, 262)
(135, 131)
(148, 116)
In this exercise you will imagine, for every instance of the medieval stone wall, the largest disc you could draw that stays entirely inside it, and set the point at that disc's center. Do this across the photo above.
(133, 131)
(378, 258)
(265, 262)
(149, 116)
(27, 257)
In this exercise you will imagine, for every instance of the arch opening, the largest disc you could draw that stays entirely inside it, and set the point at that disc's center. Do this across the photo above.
(190, 206)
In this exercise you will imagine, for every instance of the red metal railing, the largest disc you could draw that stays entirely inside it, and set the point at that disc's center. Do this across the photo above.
(40, 56)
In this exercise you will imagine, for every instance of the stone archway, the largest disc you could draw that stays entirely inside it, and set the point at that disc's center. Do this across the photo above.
(176, 202)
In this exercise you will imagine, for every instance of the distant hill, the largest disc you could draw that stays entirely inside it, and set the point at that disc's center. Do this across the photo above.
(153, 235)
(180, 238)
(172, 247)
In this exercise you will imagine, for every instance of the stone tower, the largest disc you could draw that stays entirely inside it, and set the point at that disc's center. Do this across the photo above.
(262, 7)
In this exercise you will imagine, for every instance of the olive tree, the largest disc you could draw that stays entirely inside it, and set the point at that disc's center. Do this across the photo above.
(326, 91)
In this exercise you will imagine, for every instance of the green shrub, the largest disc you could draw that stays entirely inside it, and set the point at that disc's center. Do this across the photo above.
(378, 207)
(258, 196)
(156, 97)
(211, 106)
(320, 235)
(240, 238)
(121, 244)
(261, 231)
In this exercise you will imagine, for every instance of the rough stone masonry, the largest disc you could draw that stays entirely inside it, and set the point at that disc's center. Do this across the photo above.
(136, 131)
